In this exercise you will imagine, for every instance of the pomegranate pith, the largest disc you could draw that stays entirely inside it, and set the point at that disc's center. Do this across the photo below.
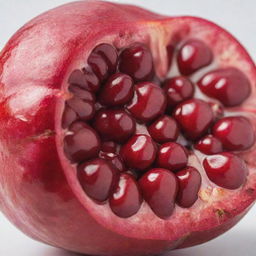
(99, 130)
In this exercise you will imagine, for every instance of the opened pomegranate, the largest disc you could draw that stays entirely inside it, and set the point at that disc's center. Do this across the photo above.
(131, 136)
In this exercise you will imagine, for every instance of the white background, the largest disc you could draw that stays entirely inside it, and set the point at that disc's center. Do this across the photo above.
(237, 16)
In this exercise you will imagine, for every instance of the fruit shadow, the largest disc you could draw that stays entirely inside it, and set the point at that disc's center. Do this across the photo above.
(241, 243)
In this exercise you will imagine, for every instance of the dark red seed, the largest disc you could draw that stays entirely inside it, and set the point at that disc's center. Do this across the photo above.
(139, 152)
(126, 199)
(172, 156)
(69, 116)
(170, 53)
(194, 117)
(118, 90)
(235, 133)
(148, 102)
(192, 56)
(209, 145)
(108, 146)
(82, 143)
(97, 178)
(114, 159)
(189, 180)
(136, 61)
(114, 125)
(85, 79)
(85, 110)
(178, 89)
(164, 129)
(109, 54)
(159, 188)
(228, 85)
(99, 66)
(226, 170)
(82, 93)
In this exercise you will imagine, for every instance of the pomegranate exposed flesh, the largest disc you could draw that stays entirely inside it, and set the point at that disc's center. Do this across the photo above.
(159, 188)
(126, 199)
(106, 129)
(226, 170)
(189, 180)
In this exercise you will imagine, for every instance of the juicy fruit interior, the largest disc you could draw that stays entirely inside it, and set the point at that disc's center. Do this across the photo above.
(131, 134)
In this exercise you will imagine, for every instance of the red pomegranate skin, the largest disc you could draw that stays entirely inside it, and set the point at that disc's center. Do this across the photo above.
(39, 192)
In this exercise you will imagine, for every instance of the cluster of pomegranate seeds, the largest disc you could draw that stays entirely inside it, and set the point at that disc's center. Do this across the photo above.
(123, 126)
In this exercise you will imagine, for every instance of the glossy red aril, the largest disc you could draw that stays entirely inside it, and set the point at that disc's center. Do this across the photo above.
(148, 102)
(235, 133)
(117, 91)
(68, 117)
(209, 145)
(194, 117)
(97, 178)
(189, 181)
(228, 85)
(126, 198)
(178, 89)
(159, 187)
(136, 61)
(85, 78)
(114, 125)
(164, 129)
(226, 170)
(114, 159)
(139, 152)
(81, 143)
(109, 54)
(193, 55)
(108, 146)
(172, 156)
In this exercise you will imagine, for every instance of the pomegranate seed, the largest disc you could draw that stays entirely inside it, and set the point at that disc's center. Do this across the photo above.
(194, 117)
(228, 85)
(85, 110)
(109, 55)
(139, 152)
(114, 125)
(82, 93)
(164, 129)
(137, 62)
(235, 133)
(108, 146)
(209, 145)
(114, 159)
(117, 91)
(226, 170)
(170, 53)
(193, 55)
(189, 180)
(178, 89)
(82, 144)
(68, 117)
(172, 156)
(99, 66)
(86, 79)
(159, 188)
(97, 178)
(126, 199)
(148, 102)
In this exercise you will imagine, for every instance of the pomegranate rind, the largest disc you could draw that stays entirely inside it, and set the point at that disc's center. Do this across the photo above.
(39, 192)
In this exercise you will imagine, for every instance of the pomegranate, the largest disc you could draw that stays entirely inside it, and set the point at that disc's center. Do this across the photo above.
(107, 148)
